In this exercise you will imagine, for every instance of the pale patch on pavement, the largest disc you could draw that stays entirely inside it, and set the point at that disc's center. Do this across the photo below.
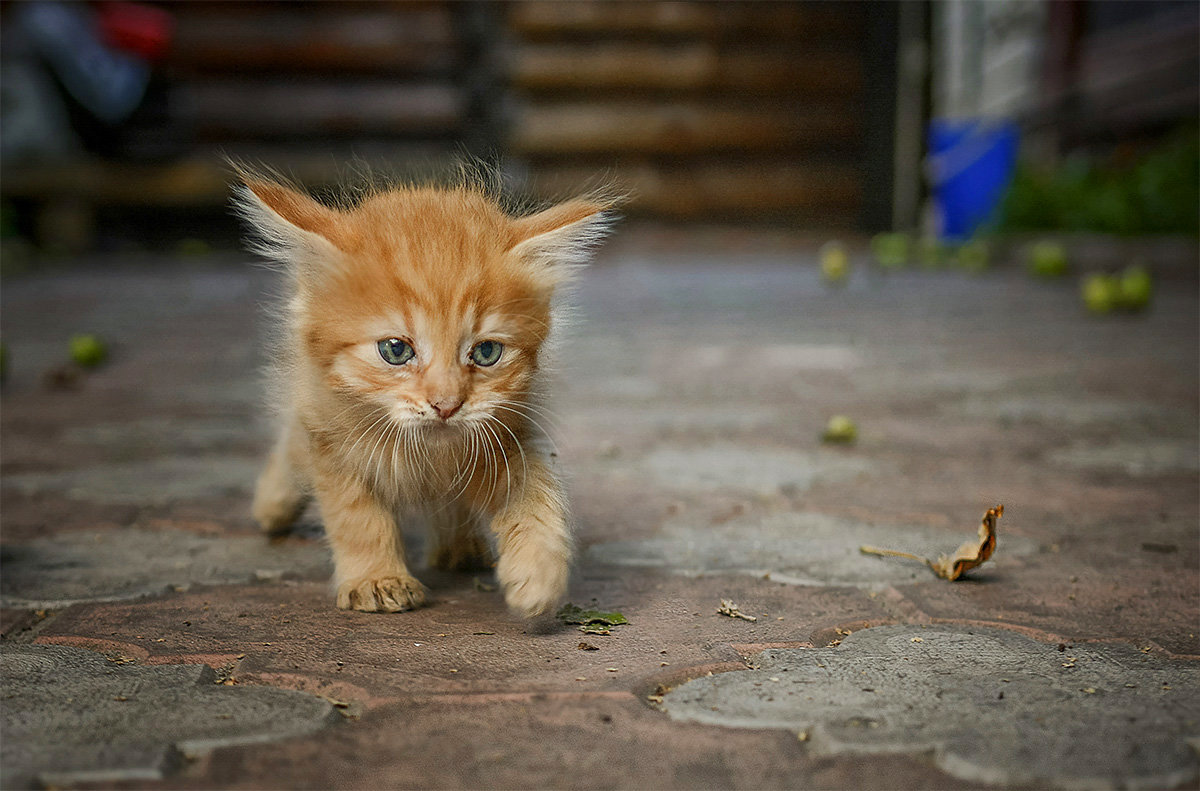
(149, 481)
(799, 549)
(761, 471)
(1151, 457)
(1057, 409)
(130, 563)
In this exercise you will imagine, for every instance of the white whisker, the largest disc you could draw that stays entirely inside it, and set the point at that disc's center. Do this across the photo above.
(492, 461)
(349, 454)
(380, 442)
(542, 429)
(517, 442)
(502, 456)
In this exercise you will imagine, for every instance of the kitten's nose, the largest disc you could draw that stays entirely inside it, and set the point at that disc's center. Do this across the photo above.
(446, 407)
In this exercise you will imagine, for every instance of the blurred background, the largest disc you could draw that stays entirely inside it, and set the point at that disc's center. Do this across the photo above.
(949, 119)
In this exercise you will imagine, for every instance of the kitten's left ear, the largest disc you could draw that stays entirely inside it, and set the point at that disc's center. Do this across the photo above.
(290, 226)
(559, 240)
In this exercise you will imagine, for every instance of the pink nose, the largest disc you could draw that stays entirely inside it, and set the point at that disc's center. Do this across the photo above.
(446, 407)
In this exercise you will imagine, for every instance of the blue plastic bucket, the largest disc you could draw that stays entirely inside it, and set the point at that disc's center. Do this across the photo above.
(971, 163)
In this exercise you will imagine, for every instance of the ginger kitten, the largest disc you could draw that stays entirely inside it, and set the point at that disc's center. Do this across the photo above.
(410, 369)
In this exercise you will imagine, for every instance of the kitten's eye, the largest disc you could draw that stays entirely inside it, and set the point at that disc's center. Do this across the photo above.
(395, 351)
(486, 353)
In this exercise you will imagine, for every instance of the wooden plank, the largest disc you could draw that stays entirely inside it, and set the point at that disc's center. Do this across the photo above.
(676, 129)
(1141, 68)
(684, 67)
(541, 20)
(204, 181)
(266, 36)
(767, 188)
(268, 107)
(186, 183)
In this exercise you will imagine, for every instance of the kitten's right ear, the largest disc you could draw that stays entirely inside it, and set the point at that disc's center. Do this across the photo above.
(559, 240)
(291, 227)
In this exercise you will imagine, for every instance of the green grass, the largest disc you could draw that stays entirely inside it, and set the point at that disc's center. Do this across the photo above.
(1154, 191)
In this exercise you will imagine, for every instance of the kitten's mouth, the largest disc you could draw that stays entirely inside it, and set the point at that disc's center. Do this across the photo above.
(439, 427)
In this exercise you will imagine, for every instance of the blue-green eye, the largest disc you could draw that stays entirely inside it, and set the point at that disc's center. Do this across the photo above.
(487, 353)
(395, 351)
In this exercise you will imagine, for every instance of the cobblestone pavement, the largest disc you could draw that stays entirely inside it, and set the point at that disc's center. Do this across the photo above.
(151, 638)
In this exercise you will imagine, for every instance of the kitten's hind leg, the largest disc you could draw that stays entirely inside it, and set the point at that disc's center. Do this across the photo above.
(279, 495)
(455, 543)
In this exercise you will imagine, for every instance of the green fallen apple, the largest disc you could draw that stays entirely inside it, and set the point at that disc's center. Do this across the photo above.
(890, 249)
(193, 247)
(1101, 293)
(1048, 259)
(840, 429)
(1135, 288)
(931, 253)
(835, 263)
(88, 350)
(973, 256)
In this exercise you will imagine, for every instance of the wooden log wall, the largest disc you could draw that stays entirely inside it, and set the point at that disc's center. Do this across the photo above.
(699, 109)
(312, 81)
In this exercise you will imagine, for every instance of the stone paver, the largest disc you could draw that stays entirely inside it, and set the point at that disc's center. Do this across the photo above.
(693, 388)
(97, 566)
(991, 706)
(70, 715)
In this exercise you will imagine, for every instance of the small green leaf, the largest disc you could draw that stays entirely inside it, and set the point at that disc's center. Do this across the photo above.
(572, 614)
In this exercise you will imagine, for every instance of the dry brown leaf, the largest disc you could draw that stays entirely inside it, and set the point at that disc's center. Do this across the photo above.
(729, 608)
(969, 555)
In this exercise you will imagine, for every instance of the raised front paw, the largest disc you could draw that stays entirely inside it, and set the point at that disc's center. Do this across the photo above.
(386, 594)
(534, 582)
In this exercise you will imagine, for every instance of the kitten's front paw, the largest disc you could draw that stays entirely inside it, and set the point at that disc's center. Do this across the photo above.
(388, 594)
(534, 582)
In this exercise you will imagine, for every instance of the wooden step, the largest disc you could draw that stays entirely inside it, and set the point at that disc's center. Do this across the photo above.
(306, 106)
(692, 66)
(763, 189)
(272, 37)
(554, 20)
(654, 128)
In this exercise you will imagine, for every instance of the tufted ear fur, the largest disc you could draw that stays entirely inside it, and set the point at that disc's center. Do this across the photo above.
(560, 240)
(292, 229)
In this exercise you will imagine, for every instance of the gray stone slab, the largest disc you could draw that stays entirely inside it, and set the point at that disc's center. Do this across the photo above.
(150, 481)
(72, 716)
(155, 433)
(797, 548)
(672, 418)
(990, 705)
(788, 357)
(753, 470)
(129, 563)
(916, 378)
(1145, 458)
(1057, 409)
